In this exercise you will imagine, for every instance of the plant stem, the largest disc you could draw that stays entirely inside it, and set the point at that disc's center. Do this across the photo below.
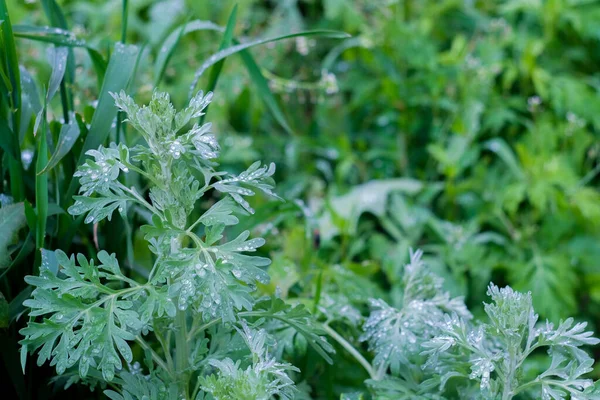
(203, 328)
(507, 392)
(181, 336)
(165, 346)
(350, 349)
(181, 346)
(157, 359)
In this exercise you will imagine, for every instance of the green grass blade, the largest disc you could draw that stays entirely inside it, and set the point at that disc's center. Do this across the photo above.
(171, 42)
(30, 102)
(10, 58)
(6, 86)
(333, 55)
(61, 37)
(58, 60)
(57, 36)
(66, 139)
(215, 58)
(262, 85)
(99, 65)
(215, 72)
(11, 69)
(41, 184)
(57, 19)
(54, 13)
(118, 74)
(125, 14)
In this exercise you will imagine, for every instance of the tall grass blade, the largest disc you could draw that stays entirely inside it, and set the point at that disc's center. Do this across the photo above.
(58, 60)
(66, 139)
(11, 69)
(215, 58)
(170, 43)
(262, 85)
(118, 74)
(41, 184)
(215, 72)
(62, 37)
(57, 18)
(124, 21)
(30, 101)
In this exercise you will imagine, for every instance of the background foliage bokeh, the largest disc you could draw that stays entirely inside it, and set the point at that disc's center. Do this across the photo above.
(468, 129)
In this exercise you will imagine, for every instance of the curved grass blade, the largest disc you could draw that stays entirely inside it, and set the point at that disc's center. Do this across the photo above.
(57, 36)
(264, 91)
(215, 72)
(215, 58)
(58, 60)
(171, 42)
(62, 37)
(57, 19)
(30, 101)
(330, 58)
(66, 139)
(503, 150)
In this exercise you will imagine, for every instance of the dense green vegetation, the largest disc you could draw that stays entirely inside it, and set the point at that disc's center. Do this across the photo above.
(431, 229)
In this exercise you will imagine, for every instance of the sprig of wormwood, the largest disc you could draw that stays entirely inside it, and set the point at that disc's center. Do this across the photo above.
(203, 333)
(429, 348)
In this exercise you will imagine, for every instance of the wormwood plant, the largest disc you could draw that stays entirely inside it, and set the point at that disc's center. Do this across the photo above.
(431, 349)
(203, 333)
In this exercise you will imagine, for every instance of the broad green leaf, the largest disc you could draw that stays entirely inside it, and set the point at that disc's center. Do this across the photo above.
(368, 197)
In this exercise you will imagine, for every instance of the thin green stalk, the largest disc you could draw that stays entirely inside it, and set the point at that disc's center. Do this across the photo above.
(41, 185)
(166, 348)
(350, 349)
(181, 346)
(157, 359)
(201, 328)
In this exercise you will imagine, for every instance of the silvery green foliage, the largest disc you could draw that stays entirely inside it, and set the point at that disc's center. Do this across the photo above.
(437, 352)
(396, 336)
(195, 318)
(262, 379)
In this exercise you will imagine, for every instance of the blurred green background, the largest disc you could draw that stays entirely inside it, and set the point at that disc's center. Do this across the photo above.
(466, 128)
